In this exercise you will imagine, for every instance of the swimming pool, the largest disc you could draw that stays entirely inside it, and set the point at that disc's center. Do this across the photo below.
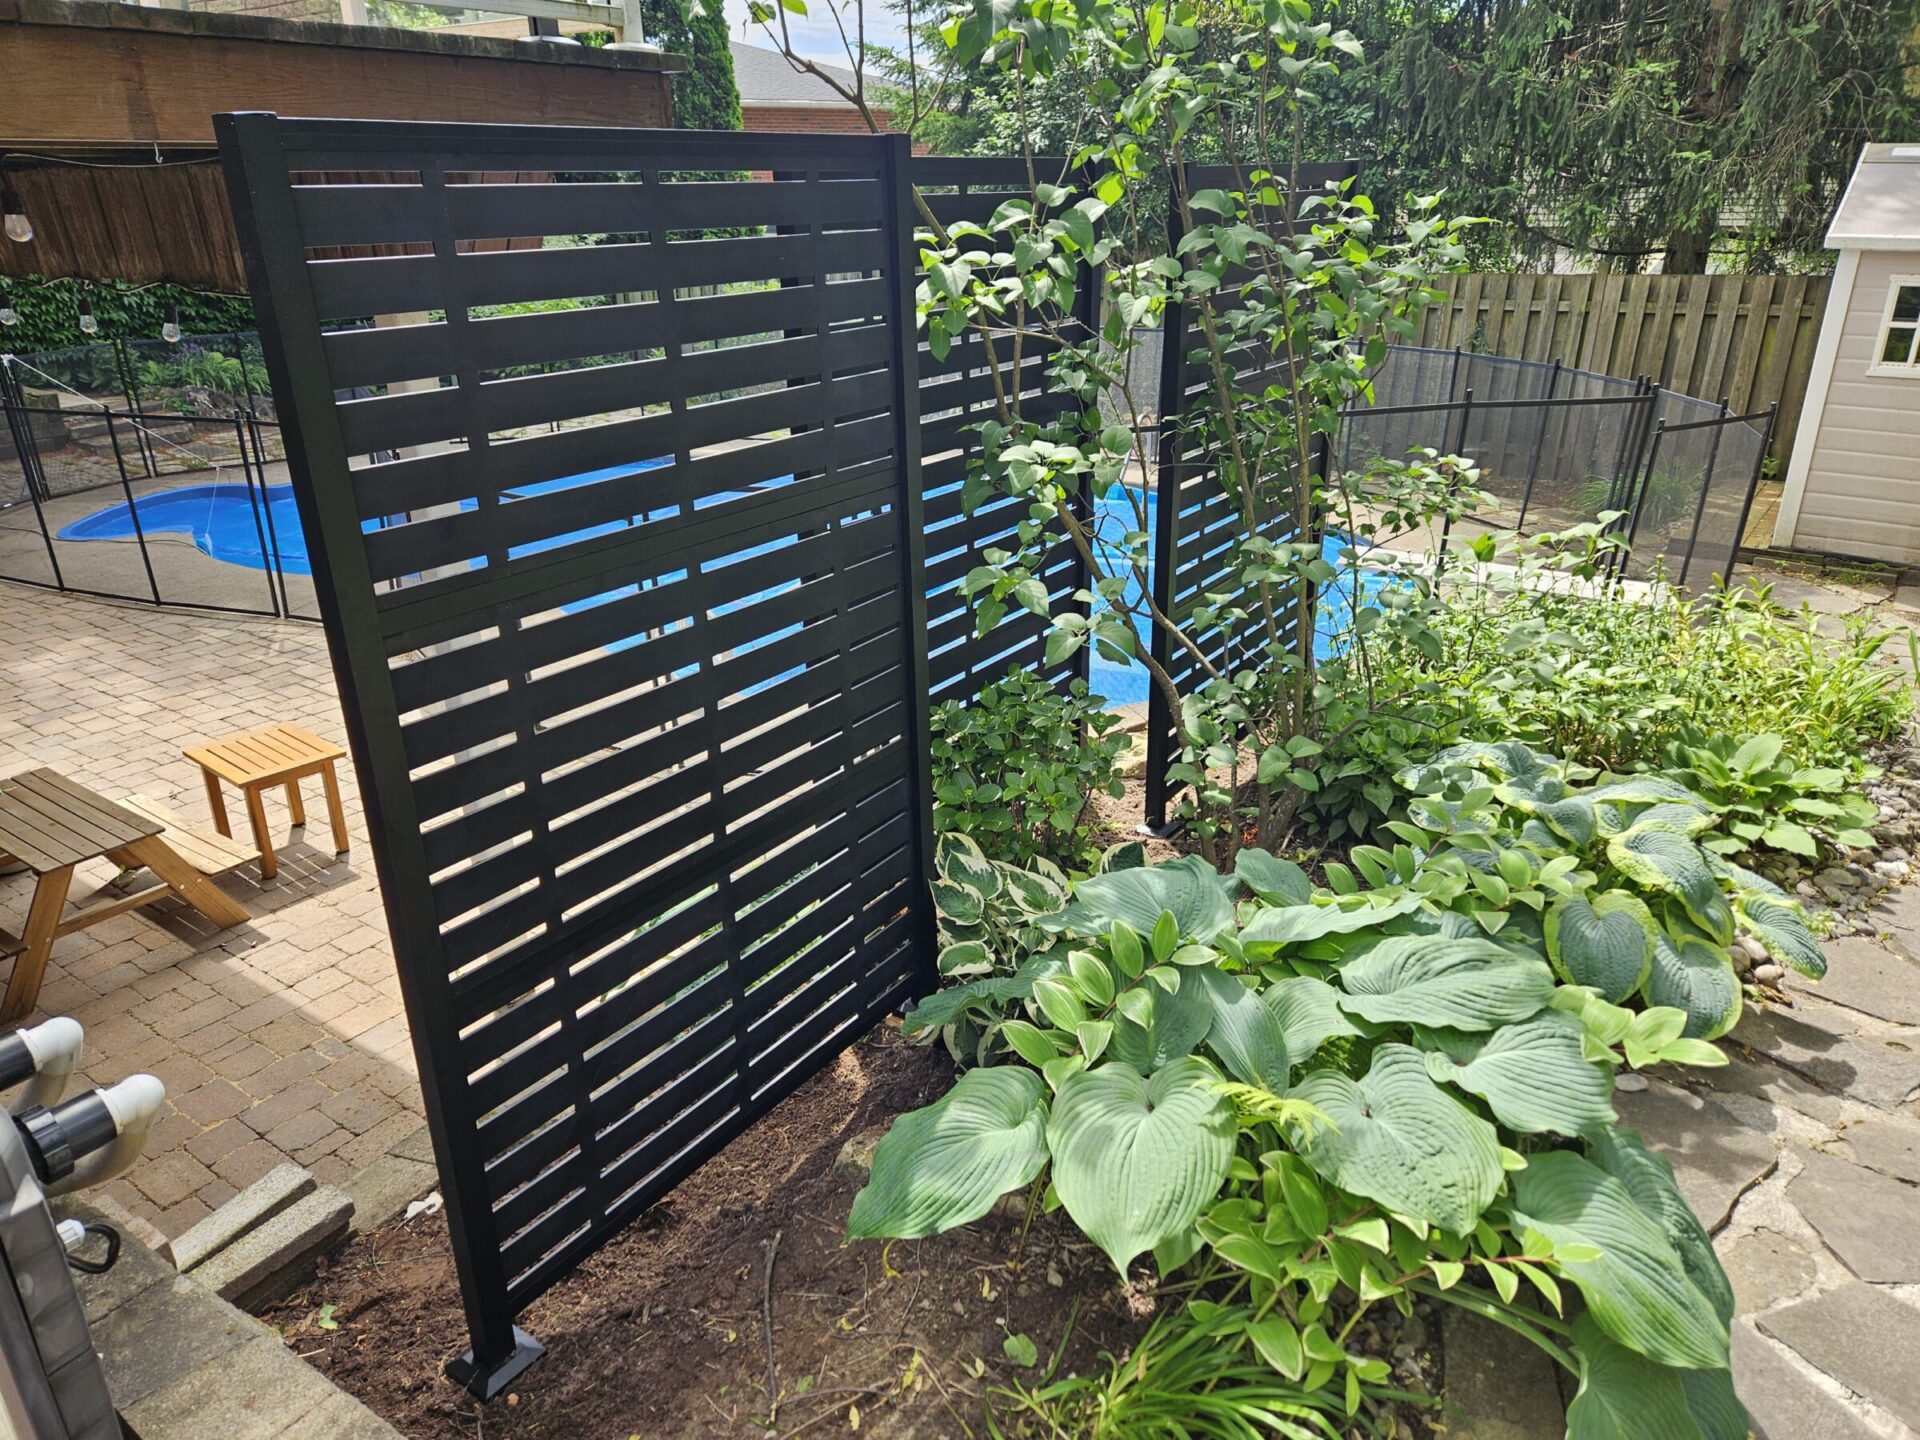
(226, 523)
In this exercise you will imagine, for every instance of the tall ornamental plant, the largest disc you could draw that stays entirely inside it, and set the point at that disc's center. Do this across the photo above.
(1295, 298)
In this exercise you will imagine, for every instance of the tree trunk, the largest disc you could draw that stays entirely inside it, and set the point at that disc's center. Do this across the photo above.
(1688, 250)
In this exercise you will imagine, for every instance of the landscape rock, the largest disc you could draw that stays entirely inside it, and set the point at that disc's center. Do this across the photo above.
(1766, 1267)
(1716, 1159)
(1824, 1043)
(272, 1259)
(854, 1163)
(1783, 1403)
(1890, 1146)
(1769, 974)
(1501, 1387)
(1862, 1337)
(1868, 977)
(273, 1192)
(1870, 1221)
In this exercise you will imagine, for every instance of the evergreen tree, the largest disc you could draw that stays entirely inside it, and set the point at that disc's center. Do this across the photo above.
(705, 96)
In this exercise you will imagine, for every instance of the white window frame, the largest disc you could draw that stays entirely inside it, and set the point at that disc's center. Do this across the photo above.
(1888, 369)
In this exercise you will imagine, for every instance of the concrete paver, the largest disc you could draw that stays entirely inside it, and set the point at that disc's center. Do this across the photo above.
(279, 1040)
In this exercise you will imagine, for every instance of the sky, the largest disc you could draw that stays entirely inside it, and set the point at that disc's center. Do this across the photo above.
(814, 34)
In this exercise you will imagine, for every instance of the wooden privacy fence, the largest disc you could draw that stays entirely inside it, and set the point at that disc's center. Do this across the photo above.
(1746, 338)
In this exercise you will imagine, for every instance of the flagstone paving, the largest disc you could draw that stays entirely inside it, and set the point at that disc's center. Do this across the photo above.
(283, 1039)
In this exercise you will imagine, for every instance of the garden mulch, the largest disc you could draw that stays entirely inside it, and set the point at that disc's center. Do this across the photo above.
(662, 1333)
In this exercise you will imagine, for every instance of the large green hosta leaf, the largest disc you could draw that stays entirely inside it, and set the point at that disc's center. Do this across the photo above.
(1276, 881)
(1669, 861)
(1400, 1140)
(1297, 924)
(1465, 984)
(1532, 1075)
(1245, 1034)
(946, 1164)
(1637, 1288)
(1624, 1396)
(1606, 943)
(1649, 1179)
(1783, 930)
(1309, 1014)
(1691, 975)
(1200, 898)
(1136, 1161)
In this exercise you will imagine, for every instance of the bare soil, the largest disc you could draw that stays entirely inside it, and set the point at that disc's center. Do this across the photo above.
(663, 1332)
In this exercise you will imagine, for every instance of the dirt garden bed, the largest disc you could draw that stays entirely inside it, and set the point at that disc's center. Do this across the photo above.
(663, 1333)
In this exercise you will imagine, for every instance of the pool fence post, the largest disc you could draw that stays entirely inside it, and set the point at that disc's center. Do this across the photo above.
(269, 557)
(1706, 487)
(1539, 444)
(133, 510)
(32, 473)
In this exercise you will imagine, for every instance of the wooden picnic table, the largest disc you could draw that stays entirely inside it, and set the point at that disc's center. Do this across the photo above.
(51, 824)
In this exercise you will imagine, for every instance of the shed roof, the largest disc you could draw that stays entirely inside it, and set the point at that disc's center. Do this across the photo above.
(765, 77)
(1881, 209)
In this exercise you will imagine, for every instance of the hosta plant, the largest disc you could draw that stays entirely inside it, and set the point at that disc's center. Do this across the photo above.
(1609, 880)
(1760, 800)
(1311, 1102)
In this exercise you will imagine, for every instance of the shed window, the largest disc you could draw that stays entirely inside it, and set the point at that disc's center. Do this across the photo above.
(1899, 349)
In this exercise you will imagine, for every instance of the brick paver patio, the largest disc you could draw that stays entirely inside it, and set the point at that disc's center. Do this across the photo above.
(282, 1039)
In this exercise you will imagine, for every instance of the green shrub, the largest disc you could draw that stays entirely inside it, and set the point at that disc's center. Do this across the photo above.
(1309, 1102)
(1759, 799)
(1016, 767)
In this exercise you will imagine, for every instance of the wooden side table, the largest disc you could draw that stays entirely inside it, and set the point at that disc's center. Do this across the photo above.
(278, 756)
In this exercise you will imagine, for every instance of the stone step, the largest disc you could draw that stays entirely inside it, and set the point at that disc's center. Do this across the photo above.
(1862, 1337)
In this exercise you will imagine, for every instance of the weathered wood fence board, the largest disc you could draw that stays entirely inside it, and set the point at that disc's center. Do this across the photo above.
(1749, 338)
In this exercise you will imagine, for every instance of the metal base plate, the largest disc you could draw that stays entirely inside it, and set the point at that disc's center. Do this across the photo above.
(486, 1382)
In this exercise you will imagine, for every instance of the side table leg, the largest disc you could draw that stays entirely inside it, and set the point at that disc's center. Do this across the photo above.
(295, 804)
(335, 811)
(257, 817)
(217, 803)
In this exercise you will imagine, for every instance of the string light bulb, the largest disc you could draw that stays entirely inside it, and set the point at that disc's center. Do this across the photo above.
(170, 331)
(19, 228)
(8, 315)
(88, 324)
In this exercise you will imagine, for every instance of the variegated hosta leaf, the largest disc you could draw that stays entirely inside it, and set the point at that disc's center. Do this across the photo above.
(1693, 976)
(1636, 1287)
(1035, 893)
(1462, 984)
(1127, 855)
(1649, 1179)
(1533, 1076)
(1745, 880)
(958, 904)
(1136, 1160)
(1669, 861)
(1574, 819)
(948, 1003)
(946, 1164)
(1297, 924)
(1398, 1139)
(1605, 942)
(1245, 1034)
(1783, 930)
(1663, 815)
(959, 860)
(1643, 790)
(1309, 1014)
(1625, 1396)
(1200, 899)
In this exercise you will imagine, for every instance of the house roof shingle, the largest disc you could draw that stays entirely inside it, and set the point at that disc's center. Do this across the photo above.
(765, 78)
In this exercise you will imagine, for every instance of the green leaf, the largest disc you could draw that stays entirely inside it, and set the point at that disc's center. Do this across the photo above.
(1309, 1014)
(1201, 900)
(1276, 881)
(946, 1164)
(1278, 1343)
(1466, 984)
(1400, 1140)
(1029, 1042)
(1297, 924)
(1177, 1022)
(1021, 1350)
(1245, 1033)
(1533, 1076)
(1136, 1161)
(1606, 942)
(1637, 1288)
(1699, 979)
(1671, 862)
(1783, 930)
(1625, 1396)
(1648, 1178)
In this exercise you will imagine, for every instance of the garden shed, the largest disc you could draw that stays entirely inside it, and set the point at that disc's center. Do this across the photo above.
(1853, 483)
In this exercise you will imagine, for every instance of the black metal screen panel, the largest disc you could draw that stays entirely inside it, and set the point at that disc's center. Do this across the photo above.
(618, 548)
(956, 394)
(1197, 522)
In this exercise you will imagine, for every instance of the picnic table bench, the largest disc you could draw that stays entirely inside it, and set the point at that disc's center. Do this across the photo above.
(51, 824)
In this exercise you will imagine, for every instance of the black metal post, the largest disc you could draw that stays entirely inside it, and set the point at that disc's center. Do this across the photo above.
(1162, 721)
(259, 449)
(1446, 517)
(1625, 557)
(20, 426)
(1539, 445)
(1706, 488)
(1753, 487)
(269, 558)
(133, 509)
